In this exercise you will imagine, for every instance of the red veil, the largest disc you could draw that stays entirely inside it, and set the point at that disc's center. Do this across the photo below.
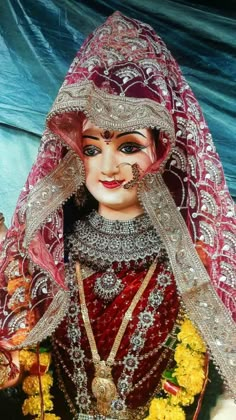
(124, 77)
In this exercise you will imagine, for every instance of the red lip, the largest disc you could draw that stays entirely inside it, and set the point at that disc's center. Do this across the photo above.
(112, 184)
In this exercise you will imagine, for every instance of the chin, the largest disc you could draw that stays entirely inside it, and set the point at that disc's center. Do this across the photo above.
(115, 206)
(116, 199)
(119, 205)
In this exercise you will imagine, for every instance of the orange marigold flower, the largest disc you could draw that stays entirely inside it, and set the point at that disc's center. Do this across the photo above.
(19, 337)
(204, 257)
(30, 319)
(15, 283)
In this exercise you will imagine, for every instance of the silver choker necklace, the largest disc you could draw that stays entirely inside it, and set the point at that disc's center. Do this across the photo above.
(98, 242)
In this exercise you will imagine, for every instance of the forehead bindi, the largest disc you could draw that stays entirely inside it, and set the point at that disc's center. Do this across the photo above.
(107, 135)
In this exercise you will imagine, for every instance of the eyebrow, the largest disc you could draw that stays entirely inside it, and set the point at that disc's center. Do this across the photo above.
(118, 136)
(90, 137)
(130, 132)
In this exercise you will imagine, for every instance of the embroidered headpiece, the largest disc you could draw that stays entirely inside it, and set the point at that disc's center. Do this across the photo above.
(118, 80)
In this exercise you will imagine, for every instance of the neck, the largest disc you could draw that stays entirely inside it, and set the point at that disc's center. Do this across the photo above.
(120, 214)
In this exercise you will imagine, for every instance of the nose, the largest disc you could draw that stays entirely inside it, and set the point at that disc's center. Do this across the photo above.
(109, 163)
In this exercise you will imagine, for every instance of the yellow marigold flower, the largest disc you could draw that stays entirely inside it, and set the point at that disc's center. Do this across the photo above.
(49, 416)
(158, 405)
(192, 382)
(32, 405)
(189, 336)
(182, 397)
(188, 358)
(31, 384)
(29, 358)
(161, 409)
(47, 401)
(45, 359)
(174, 413)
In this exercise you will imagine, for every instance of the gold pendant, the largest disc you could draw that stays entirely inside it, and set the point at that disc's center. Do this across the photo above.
(103, 387)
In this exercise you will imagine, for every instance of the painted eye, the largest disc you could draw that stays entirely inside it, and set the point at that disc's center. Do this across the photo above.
(91, 151)
(130, 148)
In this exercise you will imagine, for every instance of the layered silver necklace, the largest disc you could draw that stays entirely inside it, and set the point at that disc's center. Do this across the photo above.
(98, 243)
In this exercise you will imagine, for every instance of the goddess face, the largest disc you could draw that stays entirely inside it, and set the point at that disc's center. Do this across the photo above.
(109, 158)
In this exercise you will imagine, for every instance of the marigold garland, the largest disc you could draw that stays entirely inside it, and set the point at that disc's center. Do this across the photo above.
(181, 384)
(37, 384)
(185, 380)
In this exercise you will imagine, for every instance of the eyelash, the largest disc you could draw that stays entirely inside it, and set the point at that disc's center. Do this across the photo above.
(133, 148)
(92, 149)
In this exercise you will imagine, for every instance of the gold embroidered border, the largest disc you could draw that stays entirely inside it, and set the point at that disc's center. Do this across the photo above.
(111, 111)
(49, 321)
(203, 305)
(52, 191)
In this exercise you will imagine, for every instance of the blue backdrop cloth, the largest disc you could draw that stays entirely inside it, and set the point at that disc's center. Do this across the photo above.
(39, 39)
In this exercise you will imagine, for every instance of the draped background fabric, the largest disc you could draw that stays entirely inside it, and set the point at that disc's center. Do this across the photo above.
(39, 39)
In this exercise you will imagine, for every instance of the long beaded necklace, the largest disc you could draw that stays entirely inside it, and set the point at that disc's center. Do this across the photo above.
(103, 386)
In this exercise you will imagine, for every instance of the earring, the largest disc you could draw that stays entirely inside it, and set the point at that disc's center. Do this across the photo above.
(81, 196)
(135, 173)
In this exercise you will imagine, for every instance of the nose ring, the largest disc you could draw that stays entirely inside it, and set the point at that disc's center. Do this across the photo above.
(135, 172)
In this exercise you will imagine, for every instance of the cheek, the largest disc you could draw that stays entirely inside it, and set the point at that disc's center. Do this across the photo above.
(146, 159)
(90, 168)
(90, 175)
